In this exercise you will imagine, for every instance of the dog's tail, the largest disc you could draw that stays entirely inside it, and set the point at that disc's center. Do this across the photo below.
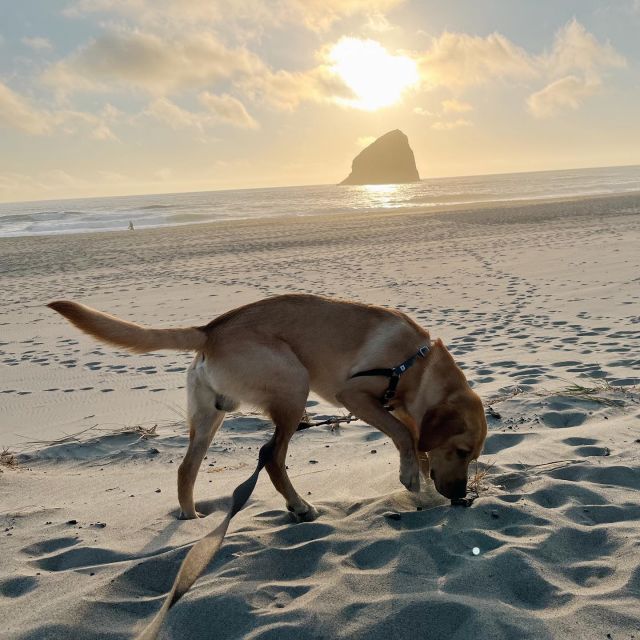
(127, 334)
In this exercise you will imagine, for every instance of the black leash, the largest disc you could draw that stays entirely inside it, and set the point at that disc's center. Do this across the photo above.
(393, 375)
(305, 424)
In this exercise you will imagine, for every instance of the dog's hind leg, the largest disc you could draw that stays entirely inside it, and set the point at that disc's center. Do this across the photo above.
(273, 379)
(286, 417)
(204, 421)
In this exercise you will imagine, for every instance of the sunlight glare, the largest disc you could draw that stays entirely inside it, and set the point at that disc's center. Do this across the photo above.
(376, 77)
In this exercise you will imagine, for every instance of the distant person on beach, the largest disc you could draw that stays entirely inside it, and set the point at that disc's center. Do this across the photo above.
(131, 226)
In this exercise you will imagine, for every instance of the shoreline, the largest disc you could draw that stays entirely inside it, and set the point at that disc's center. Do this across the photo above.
(498, 205)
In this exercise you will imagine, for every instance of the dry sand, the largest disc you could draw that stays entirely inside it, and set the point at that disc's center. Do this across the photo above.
(531, 299)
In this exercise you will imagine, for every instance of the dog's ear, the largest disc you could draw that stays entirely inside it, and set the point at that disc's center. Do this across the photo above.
(438, 425)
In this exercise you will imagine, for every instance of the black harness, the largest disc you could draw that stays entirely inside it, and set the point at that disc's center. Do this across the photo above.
(393, 375)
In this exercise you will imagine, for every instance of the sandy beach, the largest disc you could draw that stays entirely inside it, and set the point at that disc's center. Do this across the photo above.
(538, 301)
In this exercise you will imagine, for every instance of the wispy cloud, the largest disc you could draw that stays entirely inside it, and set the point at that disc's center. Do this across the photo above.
(147, 62)
(458, 59)
(18, 112)
(316, 15)
(573, 69)
(228, 109)
(455, 106)
(447, 125)
(219, 109)
(575, 49)
(560, 95)
(576, 63)
(37, 43)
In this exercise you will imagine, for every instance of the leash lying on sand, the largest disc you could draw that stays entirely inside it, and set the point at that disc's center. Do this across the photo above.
(201, 554)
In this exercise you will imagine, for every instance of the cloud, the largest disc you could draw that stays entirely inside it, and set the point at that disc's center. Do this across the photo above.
(459, 59)
(169, 113)
(285, 90)
(316, 15)
(37, 43)
(145, 61)
(228, 109)
(17, 112)
(319, 15)
(166, 65)
(573, 68)
(581, 60)
(575, 49)
(447, 125)
(456, 106)
(224, 108)
(566, 93)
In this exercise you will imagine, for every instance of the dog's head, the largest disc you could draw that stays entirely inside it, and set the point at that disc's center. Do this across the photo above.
(453, 434)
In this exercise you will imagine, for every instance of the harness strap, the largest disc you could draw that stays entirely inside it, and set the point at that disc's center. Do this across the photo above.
(393, 375)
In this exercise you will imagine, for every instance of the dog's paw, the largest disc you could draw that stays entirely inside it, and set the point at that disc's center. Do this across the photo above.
(308, 515)
(190, 516)
(410, 477)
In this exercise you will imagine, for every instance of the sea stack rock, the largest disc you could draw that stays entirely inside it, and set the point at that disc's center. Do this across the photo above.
(388, 160)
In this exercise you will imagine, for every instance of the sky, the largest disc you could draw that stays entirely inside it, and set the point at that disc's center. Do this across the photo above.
(117, 97)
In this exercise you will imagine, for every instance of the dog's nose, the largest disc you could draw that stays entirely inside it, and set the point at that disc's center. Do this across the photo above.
(458, 490)
(455, 490)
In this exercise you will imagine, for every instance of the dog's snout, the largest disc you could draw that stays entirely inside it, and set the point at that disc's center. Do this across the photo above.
(453, 490)
(459, 489)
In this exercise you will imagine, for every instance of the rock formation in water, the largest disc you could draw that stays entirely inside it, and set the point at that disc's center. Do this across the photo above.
(388, 160)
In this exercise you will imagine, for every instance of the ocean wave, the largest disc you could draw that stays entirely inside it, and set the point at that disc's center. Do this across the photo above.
(151, 207)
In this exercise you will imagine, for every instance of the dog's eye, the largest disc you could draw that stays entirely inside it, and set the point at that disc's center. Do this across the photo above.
(462, 453)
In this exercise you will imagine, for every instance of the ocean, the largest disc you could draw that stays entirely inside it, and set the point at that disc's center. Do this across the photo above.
(162, 210)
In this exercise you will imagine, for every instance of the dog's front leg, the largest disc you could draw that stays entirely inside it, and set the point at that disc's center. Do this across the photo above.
(425, 466)
(367, 407)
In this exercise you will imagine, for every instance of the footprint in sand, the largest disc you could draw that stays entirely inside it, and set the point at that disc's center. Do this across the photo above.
(564, 419)
(592, 451)
(49, 546)
(497, 442)
(18, 586)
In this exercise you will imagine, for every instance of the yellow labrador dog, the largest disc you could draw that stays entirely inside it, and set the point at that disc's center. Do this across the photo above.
(376, 362)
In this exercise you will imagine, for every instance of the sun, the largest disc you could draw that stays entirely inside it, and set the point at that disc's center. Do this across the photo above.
(376, 78)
